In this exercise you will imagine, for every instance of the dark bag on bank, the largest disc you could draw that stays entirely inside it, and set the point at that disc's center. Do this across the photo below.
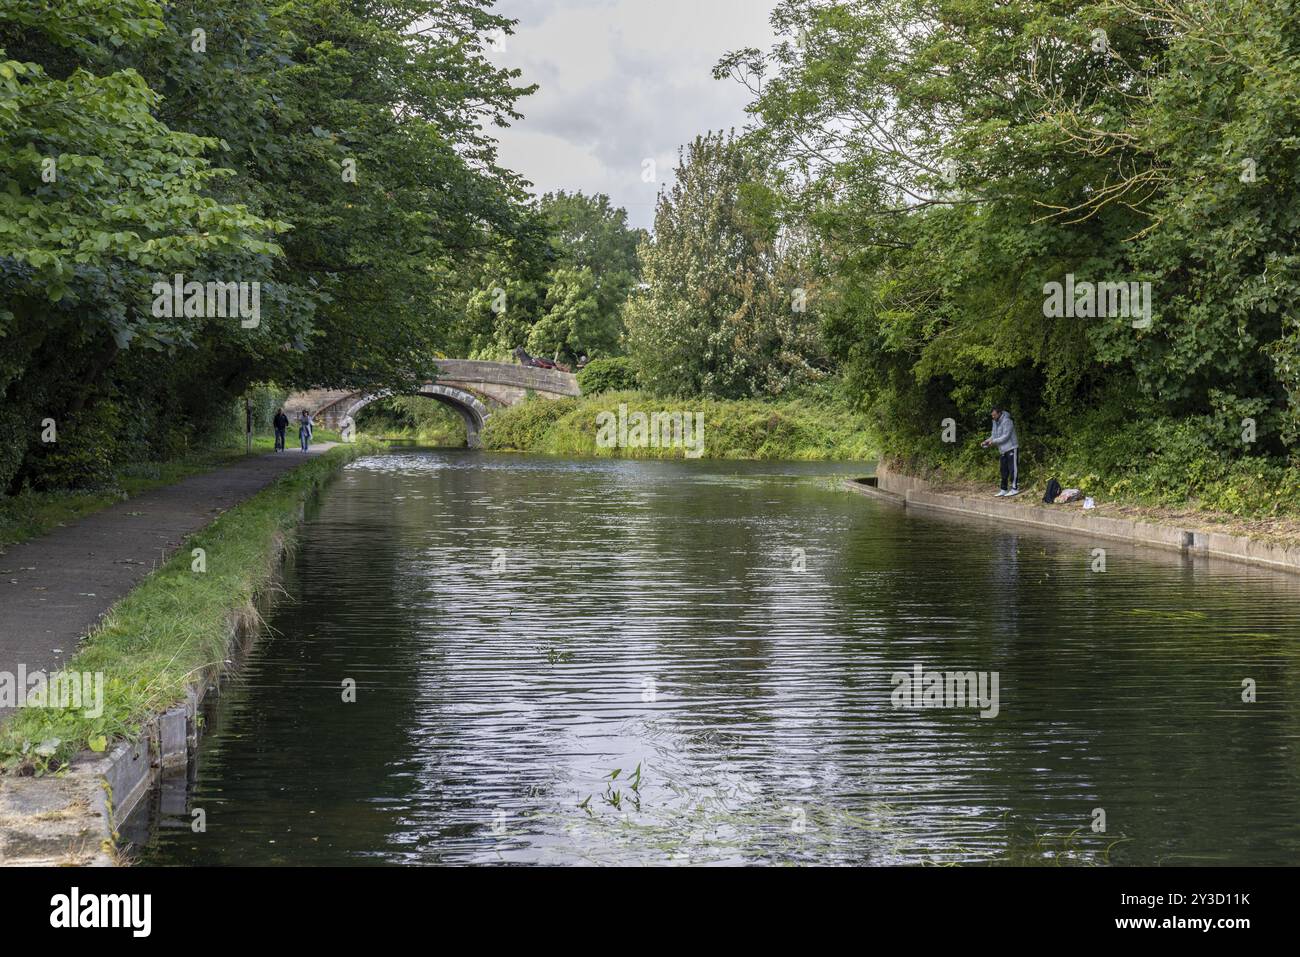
(1053, 490)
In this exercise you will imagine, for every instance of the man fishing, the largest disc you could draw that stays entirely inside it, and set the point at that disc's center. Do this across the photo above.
(1004, 437)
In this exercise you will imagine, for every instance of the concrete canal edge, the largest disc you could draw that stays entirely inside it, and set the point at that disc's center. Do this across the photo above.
(910, 491)
(73, 817)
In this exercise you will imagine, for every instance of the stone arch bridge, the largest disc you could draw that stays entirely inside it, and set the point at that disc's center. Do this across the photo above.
(471, 388)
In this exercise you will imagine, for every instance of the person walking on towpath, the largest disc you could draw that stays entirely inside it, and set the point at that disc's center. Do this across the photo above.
(281, 422)
(1004, 437)
(304, 430)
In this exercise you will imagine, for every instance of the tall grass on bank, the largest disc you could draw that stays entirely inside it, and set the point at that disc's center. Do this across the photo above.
(173, 625)
(813, 427)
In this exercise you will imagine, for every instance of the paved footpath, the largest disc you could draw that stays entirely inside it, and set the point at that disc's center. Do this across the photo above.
(55, 589)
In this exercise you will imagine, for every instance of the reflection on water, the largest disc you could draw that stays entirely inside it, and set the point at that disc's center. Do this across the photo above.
(618, 662)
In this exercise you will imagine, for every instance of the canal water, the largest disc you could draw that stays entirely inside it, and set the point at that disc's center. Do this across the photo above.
(623, 662)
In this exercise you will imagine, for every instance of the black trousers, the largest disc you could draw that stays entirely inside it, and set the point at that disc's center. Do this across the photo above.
(279, 438)
(1011, 470)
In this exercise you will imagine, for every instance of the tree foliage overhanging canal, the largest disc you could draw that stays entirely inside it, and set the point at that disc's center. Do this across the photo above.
(215, 139)
(916, 175)
(957, 158)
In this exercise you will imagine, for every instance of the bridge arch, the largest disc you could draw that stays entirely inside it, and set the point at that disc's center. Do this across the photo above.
(473, 411)
(471, 387)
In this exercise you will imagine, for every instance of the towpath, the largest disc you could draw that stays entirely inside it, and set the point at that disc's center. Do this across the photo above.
(55, 589)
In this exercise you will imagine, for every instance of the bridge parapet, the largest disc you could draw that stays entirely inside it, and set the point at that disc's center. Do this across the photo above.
(469, 371)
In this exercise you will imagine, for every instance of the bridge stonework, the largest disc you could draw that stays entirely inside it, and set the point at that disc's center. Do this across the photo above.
(470, 387)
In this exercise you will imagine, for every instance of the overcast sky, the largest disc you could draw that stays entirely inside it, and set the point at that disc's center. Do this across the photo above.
(620, 82)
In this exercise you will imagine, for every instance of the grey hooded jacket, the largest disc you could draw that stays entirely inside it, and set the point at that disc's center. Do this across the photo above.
(1004, 433)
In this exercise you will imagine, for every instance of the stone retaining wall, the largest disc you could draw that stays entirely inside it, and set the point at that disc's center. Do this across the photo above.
(914, 492)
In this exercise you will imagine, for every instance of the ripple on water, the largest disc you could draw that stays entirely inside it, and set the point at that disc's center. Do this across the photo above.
(525, 633)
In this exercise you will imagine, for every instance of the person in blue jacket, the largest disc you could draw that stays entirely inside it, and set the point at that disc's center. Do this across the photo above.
(305, 430)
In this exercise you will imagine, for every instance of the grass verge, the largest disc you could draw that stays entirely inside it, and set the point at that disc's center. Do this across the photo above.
(175, 624)
(796, 428)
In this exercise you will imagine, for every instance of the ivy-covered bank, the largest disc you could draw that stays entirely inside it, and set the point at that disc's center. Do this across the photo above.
(165, 633)
(812, 426)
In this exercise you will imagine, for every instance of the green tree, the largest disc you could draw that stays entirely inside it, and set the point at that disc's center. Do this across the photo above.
(955, 157)
(101, 200)
(587, 232)
(728, 309)
(339, 155)
(367, 128)
(573, 321)
(559, 288)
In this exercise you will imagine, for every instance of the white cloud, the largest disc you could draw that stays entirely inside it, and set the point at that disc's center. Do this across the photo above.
(621, 81)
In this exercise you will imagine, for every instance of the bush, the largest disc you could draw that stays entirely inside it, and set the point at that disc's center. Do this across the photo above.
(87, 447)
(523, 427)
(607, 375)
